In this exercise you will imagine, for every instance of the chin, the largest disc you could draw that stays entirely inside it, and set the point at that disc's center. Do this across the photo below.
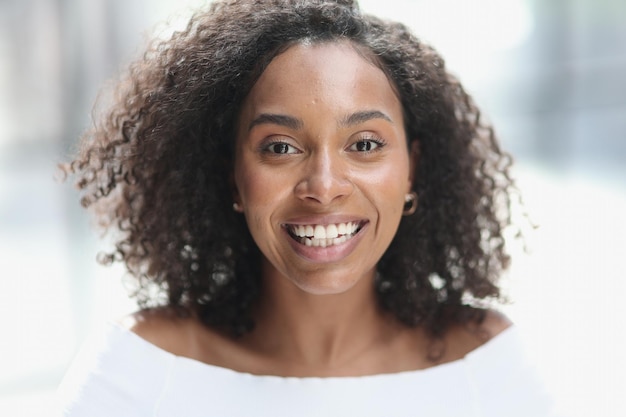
(325, 285)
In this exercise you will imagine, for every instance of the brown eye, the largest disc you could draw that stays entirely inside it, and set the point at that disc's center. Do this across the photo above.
(366, 145)
(280, 148)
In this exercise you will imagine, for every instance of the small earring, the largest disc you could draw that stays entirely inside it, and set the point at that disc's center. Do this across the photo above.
(410, 203)
(237, 207)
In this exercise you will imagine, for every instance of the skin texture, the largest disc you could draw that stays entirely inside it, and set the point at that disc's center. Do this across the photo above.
(396, 348)
(317, 314)
(323, 178)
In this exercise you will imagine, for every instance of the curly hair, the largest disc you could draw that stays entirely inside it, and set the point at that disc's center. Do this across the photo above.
(155, 167)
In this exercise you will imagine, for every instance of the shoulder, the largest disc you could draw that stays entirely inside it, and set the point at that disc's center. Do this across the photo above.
(503, 374)
(462, 339)
(115, 373)
(179, 332)
(483, 325)
(494, 323)
(172, 331)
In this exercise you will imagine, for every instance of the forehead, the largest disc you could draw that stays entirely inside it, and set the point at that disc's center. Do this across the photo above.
(335, 74)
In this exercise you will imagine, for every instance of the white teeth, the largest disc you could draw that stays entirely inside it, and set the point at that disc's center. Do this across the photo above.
(330, 231)
(324, 236)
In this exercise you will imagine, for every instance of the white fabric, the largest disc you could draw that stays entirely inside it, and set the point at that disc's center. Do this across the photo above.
(120, 374)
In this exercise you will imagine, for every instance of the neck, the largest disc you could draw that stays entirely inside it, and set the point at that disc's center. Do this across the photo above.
(320, 332)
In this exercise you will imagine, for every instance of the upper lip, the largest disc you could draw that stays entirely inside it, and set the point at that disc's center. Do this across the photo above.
(324, 220)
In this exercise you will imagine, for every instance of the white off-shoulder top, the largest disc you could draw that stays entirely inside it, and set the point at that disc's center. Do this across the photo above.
(119, 374)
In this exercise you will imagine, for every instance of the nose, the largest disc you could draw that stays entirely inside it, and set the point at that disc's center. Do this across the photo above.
(325, 179)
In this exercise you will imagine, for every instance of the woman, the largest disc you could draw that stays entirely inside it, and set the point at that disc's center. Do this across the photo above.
(313, 210)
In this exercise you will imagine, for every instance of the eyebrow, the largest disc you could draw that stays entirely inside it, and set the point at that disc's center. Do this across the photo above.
(362, 117)
(297, 124)
(277, 119)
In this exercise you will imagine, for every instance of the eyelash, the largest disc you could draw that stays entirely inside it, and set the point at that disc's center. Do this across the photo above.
(267, 147)
(378, 142)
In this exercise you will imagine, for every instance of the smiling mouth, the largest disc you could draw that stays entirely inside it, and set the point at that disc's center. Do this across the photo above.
(317, 235)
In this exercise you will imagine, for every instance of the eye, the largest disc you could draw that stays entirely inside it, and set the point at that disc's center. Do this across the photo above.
(367, 145)
(280, 148)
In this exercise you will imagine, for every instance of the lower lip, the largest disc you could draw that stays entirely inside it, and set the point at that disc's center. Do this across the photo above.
(328, 254)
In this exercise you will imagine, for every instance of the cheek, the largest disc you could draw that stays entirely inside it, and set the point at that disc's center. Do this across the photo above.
(258, 189)
(392, 184)
(247, 180)
(256, 201)
(393, 179)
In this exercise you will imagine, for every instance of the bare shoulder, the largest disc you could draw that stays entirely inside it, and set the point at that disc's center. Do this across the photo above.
(494, 323)
(463, 339)
(163, 328)
(184, 335)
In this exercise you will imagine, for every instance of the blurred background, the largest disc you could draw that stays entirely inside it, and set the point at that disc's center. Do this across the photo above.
(550, 74)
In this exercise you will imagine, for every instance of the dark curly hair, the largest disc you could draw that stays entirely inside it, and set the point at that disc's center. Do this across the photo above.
(156, 167)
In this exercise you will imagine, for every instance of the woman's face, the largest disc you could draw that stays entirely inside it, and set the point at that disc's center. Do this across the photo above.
(322, 166)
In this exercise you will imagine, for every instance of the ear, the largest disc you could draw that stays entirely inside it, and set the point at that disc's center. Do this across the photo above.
(414, 156)
(237, 206)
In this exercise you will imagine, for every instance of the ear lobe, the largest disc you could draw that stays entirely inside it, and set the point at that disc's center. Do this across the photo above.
(414, 156)
(235, 193)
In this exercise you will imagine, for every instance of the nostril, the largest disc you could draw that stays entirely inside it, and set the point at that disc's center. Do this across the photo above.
(324, 186)
(323, 193)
